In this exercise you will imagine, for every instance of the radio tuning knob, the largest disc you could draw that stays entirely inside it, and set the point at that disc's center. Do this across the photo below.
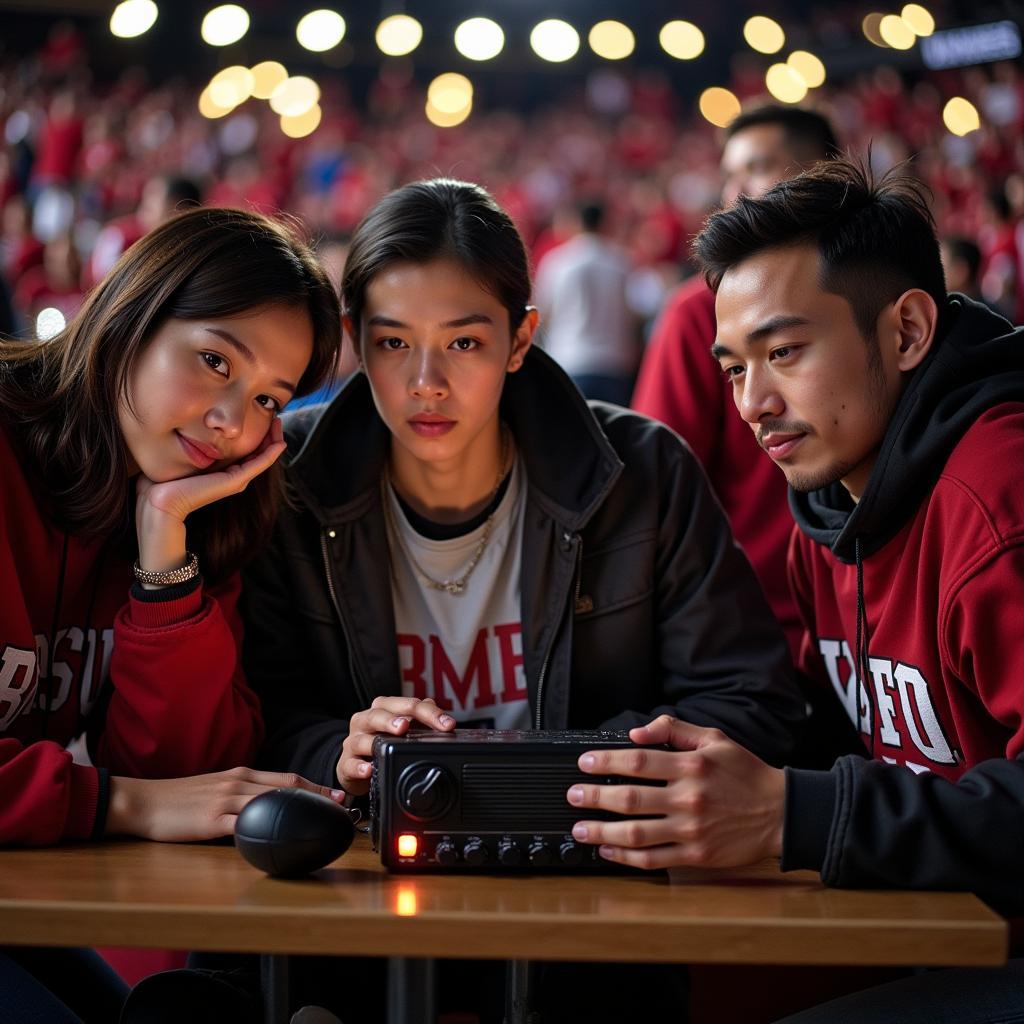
(541, 855)
(425, 791)
(474, 853)
(509, 853)
(571, 853)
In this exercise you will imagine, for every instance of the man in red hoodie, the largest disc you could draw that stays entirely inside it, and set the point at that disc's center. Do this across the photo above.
(896, 413)
(680, 385)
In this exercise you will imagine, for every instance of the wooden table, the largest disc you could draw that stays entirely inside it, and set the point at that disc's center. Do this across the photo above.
(205, 897)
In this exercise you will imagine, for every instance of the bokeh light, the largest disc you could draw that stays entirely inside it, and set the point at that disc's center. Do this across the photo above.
(682, 40)
(612, 40)
(785, 84)
(49, 323)
(210, 108)
(301, 125)
(808, 67)
(764, 35)
(719, 106)
(294, 96)
(231, 86)
(918, 19)
(266, 77)
(870, 26)
(961, 116)
(132, 18)
(225, 25)
(320, 30)
(450, 93)
(446, 119)
(479, 39)
(896, 32)
(555, 40)
(399, 35)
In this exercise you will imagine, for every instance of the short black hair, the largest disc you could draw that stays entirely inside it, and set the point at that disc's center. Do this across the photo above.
(591, 215)
(808, 134)
(966, 251)
(875, 239)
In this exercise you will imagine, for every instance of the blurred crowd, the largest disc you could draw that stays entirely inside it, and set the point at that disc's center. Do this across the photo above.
(87, 167)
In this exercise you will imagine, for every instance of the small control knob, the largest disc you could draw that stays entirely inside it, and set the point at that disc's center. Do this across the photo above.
(571, 853)
(541, 855)
(474, 853)
(445, 853)
(510, 854)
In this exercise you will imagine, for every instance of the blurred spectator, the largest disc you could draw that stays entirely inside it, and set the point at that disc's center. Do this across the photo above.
(998, 239)
(162, 197)
(56, 284)
(586, 325)
(680, 384)
(961, 259)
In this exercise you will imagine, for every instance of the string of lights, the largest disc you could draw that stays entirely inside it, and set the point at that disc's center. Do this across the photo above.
(450, 95)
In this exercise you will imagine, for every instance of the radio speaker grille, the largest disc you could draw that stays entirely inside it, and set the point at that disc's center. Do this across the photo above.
(512, 797)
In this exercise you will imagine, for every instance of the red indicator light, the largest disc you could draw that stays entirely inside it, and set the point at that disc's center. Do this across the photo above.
(408, 845)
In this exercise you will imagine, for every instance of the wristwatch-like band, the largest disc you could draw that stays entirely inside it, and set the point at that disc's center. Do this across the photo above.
(165, 579)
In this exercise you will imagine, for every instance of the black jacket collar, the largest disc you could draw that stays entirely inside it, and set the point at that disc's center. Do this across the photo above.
(340, 449)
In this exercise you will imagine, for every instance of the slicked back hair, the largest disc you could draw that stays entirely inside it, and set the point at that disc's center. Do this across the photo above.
(439, 219)
(875, 239)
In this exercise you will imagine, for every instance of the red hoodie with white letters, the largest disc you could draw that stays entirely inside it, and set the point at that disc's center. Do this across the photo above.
(152, 678)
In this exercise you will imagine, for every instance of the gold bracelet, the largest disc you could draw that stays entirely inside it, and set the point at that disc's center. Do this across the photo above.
(185, 573)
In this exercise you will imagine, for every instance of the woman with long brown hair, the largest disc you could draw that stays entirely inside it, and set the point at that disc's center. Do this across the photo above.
(136, 476)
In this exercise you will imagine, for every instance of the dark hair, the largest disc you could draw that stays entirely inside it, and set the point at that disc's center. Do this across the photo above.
(875, 239)
(591, 215)
(61, 397)
(809, 135)
(966, 251)
(182, 192)
(439, 219)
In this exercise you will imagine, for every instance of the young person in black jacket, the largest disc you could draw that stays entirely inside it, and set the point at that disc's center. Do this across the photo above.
(473, 543)
(896, 412)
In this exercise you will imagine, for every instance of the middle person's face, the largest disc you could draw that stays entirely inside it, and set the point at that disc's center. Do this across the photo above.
(436, 345)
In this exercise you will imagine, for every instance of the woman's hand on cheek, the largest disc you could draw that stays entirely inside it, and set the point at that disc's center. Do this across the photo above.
(161, 508)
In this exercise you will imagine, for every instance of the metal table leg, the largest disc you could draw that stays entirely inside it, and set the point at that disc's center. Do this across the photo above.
(411, 996)
(520, 976)
(274, 982)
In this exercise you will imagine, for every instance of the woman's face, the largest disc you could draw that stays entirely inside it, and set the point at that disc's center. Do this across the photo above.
(203, 393)
(436, 346)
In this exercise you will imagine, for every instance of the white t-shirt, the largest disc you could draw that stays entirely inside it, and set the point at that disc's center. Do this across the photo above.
(464, 650)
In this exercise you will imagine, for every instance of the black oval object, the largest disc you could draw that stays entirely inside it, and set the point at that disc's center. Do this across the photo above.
(291, 832)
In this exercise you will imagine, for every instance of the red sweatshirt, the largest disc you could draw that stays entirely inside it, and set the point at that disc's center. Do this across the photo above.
(937, 691)
(167, 661)
(681, 385)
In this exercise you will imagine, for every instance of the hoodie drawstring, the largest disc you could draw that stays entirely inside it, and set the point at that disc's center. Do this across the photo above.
(861, 654)
(51, 640)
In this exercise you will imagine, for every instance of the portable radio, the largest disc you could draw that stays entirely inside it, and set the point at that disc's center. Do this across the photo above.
(477, 799)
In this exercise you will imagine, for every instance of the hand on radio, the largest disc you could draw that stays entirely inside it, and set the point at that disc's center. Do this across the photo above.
(720, 806)
(390, 715)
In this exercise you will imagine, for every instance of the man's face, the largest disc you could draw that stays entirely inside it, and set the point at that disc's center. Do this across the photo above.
(754, 159)
(816, 393)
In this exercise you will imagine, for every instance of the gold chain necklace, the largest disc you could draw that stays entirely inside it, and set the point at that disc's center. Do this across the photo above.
(451, 586)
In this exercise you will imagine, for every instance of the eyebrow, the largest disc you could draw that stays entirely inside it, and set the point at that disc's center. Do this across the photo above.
(768, 328)
(247, 355)
(462, 321)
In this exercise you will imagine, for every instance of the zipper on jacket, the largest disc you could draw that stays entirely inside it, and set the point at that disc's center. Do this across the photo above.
(547, 656)
(341, 620)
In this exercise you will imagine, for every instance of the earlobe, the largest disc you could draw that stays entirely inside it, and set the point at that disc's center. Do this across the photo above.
(522, 339)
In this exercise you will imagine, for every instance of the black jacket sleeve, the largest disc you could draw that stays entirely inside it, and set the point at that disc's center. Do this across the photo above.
(870, 824)
(305, 727)
(723, 658)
